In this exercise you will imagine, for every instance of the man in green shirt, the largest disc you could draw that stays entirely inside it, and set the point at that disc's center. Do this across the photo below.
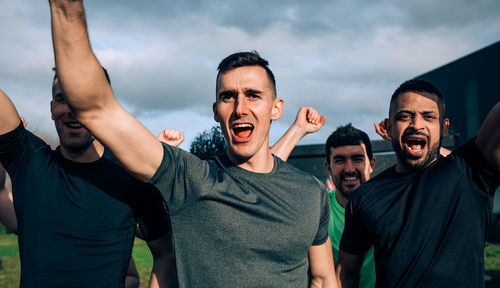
(349, 161)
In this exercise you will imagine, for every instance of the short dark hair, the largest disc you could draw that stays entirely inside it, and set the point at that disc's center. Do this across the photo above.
(418, 85)
(103, 69)
(242, 59)
(345, 136)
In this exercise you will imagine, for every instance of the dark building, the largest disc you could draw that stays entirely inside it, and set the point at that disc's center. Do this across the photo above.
(468, 88)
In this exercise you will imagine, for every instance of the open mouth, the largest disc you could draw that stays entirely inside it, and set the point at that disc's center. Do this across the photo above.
(73, 125)
(350, 179)
(242, 131)
(415, 144)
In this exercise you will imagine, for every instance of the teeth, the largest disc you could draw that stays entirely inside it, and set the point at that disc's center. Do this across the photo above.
(352, 178)
(73, 125)
(243, 125)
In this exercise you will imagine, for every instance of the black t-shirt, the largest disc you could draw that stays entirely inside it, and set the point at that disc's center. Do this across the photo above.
(76, 221)
(428, 227)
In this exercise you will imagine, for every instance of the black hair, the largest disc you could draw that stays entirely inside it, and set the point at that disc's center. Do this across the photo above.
(103, 69)
(347, 135)
(242, 59)
(418, 85)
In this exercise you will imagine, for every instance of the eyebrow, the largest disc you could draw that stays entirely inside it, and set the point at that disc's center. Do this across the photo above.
(226, 93)
(413, 113)
(252, 91)
(336, 157)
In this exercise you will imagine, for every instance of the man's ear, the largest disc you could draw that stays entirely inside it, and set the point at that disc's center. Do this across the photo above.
(444, 127)
(277, 110)
(388, 128)
(216, 116)
(372, 164)
(51, 114)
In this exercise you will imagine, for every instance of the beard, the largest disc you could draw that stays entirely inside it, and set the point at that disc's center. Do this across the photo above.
(411, 161)
(339, 187)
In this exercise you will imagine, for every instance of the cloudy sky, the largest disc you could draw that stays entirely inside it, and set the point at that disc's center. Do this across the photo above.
(342, 57)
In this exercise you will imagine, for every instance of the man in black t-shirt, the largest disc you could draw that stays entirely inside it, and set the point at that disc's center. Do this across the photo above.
(76, 207)
(427, 216)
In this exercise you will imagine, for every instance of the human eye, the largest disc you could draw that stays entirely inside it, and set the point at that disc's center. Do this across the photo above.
(403, 117)
(430, 117)
(226, 97)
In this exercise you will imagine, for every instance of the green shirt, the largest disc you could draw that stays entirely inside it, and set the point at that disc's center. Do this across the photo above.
(335, 229)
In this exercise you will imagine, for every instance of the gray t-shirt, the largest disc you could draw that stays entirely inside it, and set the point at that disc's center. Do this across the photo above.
(233, 227)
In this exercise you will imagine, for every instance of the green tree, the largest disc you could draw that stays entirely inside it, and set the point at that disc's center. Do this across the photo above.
(209, 143)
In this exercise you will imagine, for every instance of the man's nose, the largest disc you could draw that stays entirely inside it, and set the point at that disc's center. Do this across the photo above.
(417, 122)
(241, 106)
(349, 167)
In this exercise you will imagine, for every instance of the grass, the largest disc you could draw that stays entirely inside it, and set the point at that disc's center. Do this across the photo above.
(9, 274)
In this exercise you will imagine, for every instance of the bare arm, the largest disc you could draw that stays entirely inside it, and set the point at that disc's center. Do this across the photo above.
(488, 138)
(308, 121)
(348, 269)
(90, 97)
(164, 273)
(9, 118)
(321, 265)
(132, 278)
(7, 213)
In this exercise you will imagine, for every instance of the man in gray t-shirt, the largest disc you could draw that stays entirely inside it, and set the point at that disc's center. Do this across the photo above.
(245, 219)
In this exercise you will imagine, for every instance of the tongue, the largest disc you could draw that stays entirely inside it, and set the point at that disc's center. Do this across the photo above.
(243, 133)
(416, 147)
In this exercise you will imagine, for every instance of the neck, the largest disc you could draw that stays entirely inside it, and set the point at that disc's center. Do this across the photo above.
(402, 167)
(92, 153)
(262, 162)
(340, 198)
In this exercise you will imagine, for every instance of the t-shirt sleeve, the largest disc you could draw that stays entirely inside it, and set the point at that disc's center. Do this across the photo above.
(355, 239)
(476, 167)
(179, 176)
(151, 213)
(17, 147)
(322, 234)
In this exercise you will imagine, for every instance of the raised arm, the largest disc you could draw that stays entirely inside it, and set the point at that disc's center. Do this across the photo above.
(308, 121)
(9, 118)
(90, 97)
(488, 138)
(321, 266)
(171, 136)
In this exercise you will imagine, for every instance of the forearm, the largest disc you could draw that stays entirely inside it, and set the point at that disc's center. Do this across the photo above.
(79, 71)
(488, 138)
(288, 141)
(164, 273)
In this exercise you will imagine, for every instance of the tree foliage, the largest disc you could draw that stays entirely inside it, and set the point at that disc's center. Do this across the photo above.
(209, 143)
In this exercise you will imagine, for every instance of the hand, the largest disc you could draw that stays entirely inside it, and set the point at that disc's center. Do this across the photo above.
(171, 136)
(309, 120)
(381, 129)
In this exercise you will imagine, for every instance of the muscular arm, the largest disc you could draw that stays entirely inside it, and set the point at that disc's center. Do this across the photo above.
(308, 121)
(90, 97)
(488, 138)
(9, 118)
(321, 265)
(348, 269)
(164, 273)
